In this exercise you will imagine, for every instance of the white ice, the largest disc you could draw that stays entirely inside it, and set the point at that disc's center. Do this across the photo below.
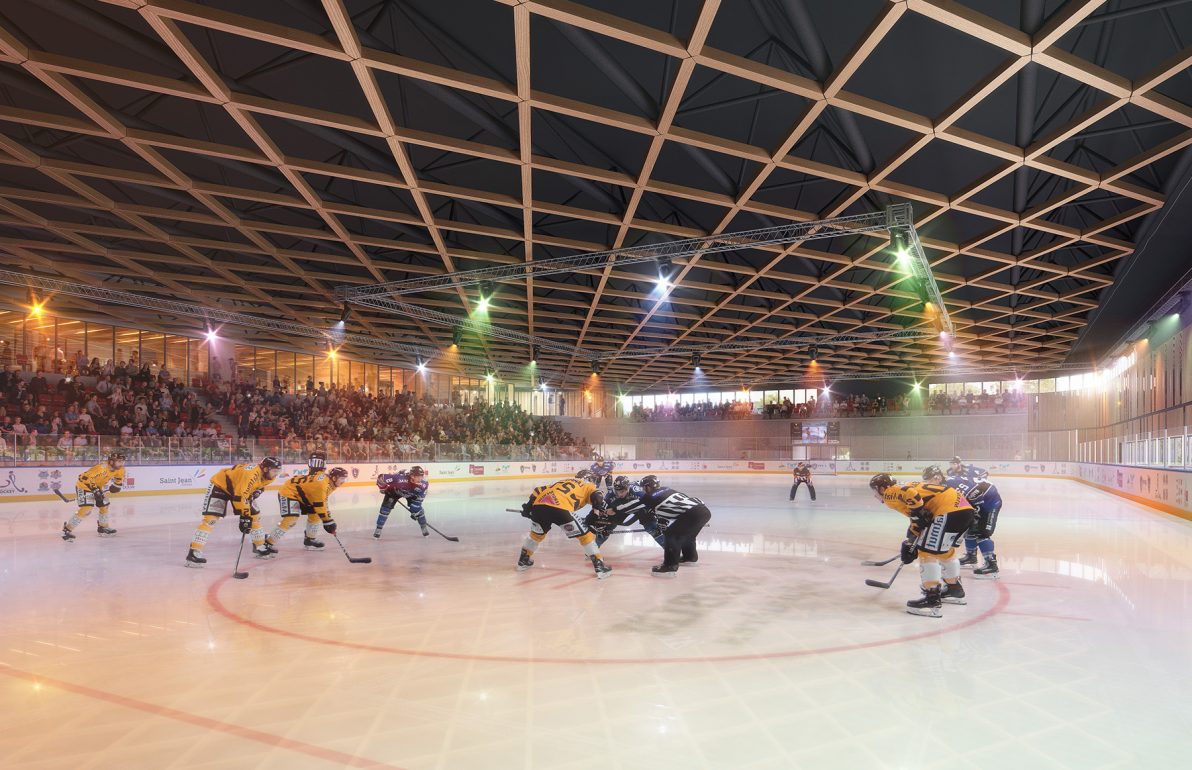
(771, 653)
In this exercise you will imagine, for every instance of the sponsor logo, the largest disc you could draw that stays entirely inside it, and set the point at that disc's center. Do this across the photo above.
(476, 470)
(530, 468)
(757, 466)
(355, 472)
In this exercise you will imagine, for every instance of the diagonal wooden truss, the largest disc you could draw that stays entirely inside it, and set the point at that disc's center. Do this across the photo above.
(615, 309)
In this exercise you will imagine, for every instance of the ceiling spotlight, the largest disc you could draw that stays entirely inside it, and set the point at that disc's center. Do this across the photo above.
(211, 335)
(595, 367)
(488, 374)
(457, 336)
(901, 244)
(534, 351)
(420, 364)
(542, 384)
(695, 359)
(814, 353)
(343, 317)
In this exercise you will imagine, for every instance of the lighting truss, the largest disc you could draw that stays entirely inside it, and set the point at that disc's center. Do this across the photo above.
(895, 218)
(216, 316)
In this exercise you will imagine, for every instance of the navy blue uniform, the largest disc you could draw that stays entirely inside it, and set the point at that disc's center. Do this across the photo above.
(398, 486)
(621, 512)
(986, 502)
(603, 470)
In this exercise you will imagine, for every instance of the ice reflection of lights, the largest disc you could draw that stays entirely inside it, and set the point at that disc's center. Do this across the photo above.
(1072, 569)
(756, 544)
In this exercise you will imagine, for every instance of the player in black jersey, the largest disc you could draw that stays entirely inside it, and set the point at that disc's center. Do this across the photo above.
(687, 516)
(624, 508)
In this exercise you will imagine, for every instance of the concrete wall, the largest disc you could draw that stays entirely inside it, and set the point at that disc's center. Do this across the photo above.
(977, 436)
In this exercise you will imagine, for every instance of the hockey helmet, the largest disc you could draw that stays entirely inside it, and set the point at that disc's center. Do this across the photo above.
(317, 461)
(417, 470)
(583, 474)
(271, 465)
(880, 482)
(650, 482)
(115, 457)
(338, 476)
(931, 471)
(621, 484)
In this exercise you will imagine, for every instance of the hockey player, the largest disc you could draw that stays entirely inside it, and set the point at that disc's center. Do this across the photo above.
(624, 508)
(602, 470)
(558, 504)
(239, 485)
(687, 516)
(306, 494)
(315, 463)
(91, 491)
(987, 503)
(959, 468)
(939, 518)
(802, 474)
(410, 485)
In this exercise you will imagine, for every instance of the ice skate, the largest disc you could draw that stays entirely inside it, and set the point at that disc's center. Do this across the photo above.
(989, 571)
(105, 531)
(928, 605)
(952, 593)
(67, 535)
(524, 562)
(195, 559)
(602, 569)
(310, 544)
(665, 571)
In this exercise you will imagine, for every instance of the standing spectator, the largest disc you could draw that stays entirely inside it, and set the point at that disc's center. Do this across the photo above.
(38, 387)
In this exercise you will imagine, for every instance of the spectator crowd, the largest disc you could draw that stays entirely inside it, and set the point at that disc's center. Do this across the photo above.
(843, 405)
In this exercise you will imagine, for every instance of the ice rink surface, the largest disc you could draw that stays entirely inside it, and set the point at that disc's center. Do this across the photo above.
(770, 653)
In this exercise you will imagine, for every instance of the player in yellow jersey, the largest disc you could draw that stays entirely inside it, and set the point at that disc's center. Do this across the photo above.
(306, 495)
(558, 504)
(939, 518)
(239, 485)
(91, 491)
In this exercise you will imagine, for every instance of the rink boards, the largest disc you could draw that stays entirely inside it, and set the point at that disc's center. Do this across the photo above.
(1166, 490)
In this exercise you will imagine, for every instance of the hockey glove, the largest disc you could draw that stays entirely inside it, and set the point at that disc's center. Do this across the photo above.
(329, 526)
(114, 488)
(526, 510)
(908, 552)
(245, 525)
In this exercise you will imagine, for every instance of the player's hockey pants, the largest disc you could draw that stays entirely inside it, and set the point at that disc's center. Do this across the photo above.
(681, 534)
(795, 488)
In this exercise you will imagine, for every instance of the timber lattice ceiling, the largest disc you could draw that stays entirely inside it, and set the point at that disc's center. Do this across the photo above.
(256, 155)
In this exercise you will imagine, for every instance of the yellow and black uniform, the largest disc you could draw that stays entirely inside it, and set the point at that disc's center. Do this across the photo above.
(304, 495)
(240, 486)
(558, 504)
(802, 475)
(91, 491)
(939, 516)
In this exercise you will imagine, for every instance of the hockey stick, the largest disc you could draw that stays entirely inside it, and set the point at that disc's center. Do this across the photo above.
(431, 526)
(357, 560)
(63, 497)
(879, 563)
(888, 583)
(236, 573)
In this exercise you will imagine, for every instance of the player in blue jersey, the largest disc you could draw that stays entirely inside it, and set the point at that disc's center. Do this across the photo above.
(409, 485)
(602, 472)
(624, 508)
(960, 468)
(987, 503)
